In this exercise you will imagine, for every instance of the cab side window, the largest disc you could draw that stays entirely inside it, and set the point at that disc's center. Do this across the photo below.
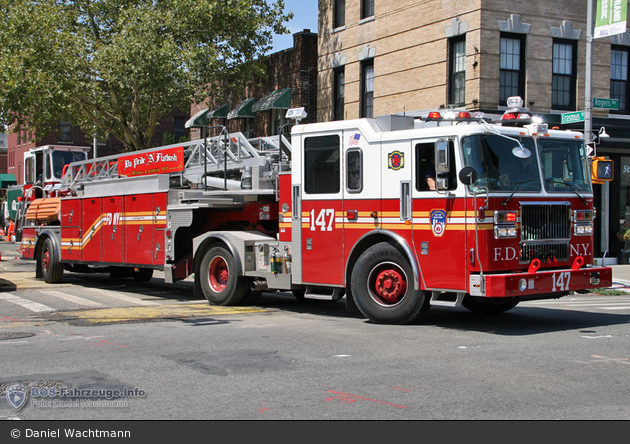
(354, 171)
(322, 164)
(425, 167)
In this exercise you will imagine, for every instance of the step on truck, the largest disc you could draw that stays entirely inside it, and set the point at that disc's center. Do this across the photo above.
(344, 209)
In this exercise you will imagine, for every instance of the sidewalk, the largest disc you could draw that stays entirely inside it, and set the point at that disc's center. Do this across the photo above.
(620, 277)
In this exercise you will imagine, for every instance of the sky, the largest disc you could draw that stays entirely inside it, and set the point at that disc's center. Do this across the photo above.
(304, 17)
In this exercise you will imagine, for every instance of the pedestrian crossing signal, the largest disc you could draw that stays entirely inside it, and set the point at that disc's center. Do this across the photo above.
(601, 170)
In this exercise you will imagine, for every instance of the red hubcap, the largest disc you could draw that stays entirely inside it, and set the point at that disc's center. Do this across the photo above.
(46, 260)
(218, 274)
(390, 286)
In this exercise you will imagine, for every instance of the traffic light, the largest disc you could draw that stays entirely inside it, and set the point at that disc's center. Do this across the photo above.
(601, 170)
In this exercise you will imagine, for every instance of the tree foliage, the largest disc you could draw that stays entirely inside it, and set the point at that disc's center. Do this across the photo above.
(119, 65)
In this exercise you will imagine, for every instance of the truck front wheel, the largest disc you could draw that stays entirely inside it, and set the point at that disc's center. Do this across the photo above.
(382, 286)
(489, 306)
(50, 267)
(219, 279)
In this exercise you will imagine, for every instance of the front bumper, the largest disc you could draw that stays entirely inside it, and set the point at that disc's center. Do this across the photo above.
(546, 282)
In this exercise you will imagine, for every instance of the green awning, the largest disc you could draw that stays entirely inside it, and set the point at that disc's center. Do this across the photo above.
(7, 179)
(279, 99)
(202, 117)
(243, 109)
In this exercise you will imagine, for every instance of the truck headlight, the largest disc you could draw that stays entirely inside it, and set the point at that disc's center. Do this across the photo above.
(583, 229)
(504, 231)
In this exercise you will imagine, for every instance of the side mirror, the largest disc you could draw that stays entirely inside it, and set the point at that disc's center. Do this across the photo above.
(468, 175)
(441, 157)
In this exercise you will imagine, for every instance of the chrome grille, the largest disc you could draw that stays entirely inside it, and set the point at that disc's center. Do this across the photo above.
(545, 232)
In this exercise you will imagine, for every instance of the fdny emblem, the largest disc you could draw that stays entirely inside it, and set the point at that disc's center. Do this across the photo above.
(395, 160)
(438, 222)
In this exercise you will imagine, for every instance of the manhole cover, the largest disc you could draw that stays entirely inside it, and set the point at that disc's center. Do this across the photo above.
(33, 384)
(15, 335)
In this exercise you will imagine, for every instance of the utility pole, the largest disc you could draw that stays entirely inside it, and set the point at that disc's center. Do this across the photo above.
(588, 78)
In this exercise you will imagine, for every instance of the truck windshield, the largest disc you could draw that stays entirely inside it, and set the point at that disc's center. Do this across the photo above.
(59, 159)
(564, 165)
(501, 164)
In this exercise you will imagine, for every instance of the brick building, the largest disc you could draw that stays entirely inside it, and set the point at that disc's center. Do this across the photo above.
(378, 58)
(290, 81)
(18, 143)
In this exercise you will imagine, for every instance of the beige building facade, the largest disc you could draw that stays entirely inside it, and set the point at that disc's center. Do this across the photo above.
(418, 47)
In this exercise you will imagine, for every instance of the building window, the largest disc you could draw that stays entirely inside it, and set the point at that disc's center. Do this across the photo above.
(179, 128)
(367, 89)
(277, 121)
(457, 63)
(339, 14)
(65, 131)
(367, 8)
(564, 79)
(338, 94)
(619, 77)
(512, 68)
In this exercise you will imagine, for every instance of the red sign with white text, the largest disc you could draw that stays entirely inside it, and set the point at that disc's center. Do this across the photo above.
(154, 162)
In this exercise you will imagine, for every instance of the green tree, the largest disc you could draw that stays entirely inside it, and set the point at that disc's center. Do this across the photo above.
(119, 65)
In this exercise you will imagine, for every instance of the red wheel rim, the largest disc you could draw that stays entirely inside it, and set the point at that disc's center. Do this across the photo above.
(46, 259)
(218, 274)
(388, 284)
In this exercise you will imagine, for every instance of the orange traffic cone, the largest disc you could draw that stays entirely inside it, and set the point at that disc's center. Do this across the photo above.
(10, 232)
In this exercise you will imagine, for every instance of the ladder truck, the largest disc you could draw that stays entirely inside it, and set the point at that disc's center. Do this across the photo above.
(342, 210)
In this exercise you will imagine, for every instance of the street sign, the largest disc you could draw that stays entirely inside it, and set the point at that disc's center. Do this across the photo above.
(605, 103)
(572, 117)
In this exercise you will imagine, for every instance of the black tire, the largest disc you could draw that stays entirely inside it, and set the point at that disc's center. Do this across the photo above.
(382, 286)
(51, 269)
(143, 274)
(251, 296)
(219, 279)
(298, 293)
(489, 306)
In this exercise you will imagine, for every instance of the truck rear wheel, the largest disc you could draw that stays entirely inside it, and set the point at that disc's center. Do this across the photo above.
(51, 269)
(142, 274)
(489, 306)
(220, 281)
(382, 286)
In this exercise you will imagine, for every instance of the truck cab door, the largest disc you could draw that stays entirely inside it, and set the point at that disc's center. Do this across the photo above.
(439, 222)
(321, 214)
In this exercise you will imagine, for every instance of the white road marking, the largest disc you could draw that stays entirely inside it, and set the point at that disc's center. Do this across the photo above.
(74, 299)
(122, 297)
(30, 305)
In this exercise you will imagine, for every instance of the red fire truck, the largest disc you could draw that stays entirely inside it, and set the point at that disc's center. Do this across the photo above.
(342, 210)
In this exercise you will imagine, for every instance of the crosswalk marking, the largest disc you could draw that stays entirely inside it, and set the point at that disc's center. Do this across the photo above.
(74, 299)
(33, 306)
(122, 297)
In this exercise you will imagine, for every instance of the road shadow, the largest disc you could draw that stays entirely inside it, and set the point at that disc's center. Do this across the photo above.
(520, 321)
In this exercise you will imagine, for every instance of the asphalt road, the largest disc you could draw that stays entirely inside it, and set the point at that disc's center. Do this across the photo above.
(177, 358)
